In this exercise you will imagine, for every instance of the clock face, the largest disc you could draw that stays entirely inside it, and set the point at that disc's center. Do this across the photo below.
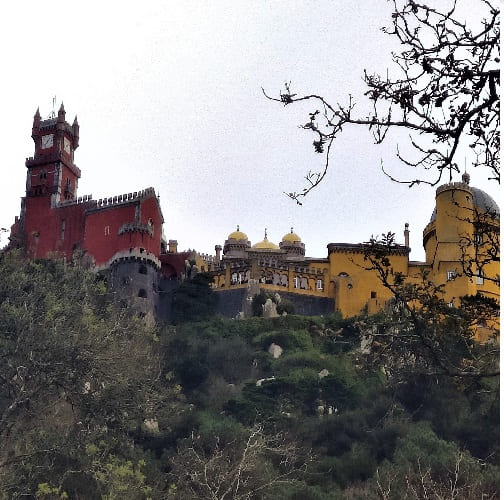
(66, 145)
(47, 141)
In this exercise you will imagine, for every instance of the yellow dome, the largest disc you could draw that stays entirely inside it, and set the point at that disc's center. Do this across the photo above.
(291, 237)
(265, 245)
(238, 235)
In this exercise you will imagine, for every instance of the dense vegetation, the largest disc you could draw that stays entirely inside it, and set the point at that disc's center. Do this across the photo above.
(94, 403)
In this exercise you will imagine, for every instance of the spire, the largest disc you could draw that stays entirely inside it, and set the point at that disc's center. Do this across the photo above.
(75, 130)
(36, 116)
(61, 113)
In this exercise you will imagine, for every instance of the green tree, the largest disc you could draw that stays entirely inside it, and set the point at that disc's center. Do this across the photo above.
(75, 370)
(194, 299)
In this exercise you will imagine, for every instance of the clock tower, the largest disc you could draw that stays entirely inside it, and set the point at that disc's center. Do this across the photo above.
(52, 173)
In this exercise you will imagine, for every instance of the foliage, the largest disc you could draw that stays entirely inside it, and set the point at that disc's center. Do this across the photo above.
(74, 369)
(194, 300)
(444, 92)
(96, 404)
(421, 331)
(251, 466)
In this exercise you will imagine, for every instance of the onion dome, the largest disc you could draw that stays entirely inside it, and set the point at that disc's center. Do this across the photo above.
(265, 244)
(291, 243)
(291, 237)
(237, 235)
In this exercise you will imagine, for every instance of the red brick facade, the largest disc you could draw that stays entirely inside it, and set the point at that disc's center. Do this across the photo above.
(55, 222)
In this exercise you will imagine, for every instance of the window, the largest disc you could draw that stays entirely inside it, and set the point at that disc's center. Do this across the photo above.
(478, 239)
(450, 304)
(63, 227)
(296, 282)
(107, 230)
(480, 277)
(373, 295)
(142, 293)
(142, 269)
(320, 285)
(451, 275)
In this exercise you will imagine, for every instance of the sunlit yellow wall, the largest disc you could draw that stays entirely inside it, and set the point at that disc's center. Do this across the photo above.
(357, 289)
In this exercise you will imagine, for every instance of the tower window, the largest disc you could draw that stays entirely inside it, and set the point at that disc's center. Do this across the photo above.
(296, 282)
(373, 295)
(478, 239)
(63, 227)
(451, 275)
(320, 285)
(142, 293)
(142, 269)
(107, 230)
(480, 277)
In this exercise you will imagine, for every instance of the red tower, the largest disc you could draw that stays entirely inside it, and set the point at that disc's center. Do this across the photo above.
(55, 222)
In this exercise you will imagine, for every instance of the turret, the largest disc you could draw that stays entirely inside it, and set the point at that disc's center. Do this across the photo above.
(75, 129)
(172, 246)
(406, 235)
(36, 124)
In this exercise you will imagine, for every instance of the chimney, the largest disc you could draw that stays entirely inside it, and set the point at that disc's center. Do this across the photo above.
(172, 246)
(218, 249)
(406, 234)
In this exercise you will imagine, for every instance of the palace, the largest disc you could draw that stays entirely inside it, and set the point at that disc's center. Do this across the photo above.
(124, 235)
(341, 281)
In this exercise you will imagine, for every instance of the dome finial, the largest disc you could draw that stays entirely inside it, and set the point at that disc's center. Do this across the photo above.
(238, 227)
(466, 177)
(265, 233)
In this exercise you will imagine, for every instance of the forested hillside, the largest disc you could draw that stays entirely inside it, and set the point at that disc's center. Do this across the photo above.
(96, 404)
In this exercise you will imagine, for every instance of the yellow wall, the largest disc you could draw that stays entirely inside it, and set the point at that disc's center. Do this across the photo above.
(360, 291)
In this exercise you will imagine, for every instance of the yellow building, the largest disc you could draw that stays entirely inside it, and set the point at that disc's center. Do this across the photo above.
(456, 242)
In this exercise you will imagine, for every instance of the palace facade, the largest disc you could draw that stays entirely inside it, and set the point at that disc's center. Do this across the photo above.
(124, 235)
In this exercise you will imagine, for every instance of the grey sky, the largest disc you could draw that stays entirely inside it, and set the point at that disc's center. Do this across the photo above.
(168, 94)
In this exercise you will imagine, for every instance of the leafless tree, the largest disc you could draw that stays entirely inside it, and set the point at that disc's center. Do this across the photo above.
(445, 92)
(422, 332)
(239, 469)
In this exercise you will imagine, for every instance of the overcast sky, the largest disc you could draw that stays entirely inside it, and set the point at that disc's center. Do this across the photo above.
(168, 94)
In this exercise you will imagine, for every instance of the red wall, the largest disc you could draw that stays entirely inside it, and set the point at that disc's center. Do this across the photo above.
(102, 239)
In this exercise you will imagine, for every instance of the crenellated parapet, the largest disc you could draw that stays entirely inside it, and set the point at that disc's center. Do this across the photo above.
(131, 255)
(126, 198)
(87, 198)
(131, 227)
(210, 259)
(452, 186)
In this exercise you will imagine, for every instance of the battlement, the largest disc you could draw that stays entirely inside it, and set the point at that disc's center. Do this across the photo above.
(453, 185)
(124, 198)
(206, 257)
(130, 227)
(87, 198)
(133, 254)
